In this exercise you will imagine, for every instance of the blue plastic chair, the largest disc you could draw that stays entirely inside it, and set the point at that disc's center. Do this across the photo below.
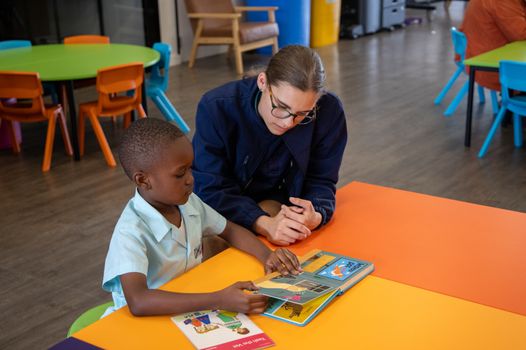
(460, 44)
(14, 44)
(157, 84)
(49, 89)
(512, 76)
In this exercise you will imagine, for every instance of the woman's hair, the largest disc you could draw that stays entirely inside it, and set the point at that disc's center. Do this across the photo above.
(298, 66)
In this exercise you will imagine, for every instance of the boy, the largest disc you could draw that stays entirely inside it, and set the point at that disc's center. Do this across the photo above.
(159, 234)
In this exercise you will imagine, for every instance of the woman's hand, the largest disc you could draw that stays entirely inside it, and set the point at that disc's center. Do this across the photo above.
(280, 229)
(302, 212)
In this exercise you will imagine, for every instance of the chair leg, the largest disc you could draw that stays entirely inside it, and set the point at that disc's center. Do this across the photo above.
(275, 47)
(81, 131)
(446, 88)
(517, 130)
(64, 131)
(50, 138)
(142, 113)
(195, 43)
(127, 120)
(491, 134)
(64, 98)
(239, 59)
(456, 101)
(494, 102)
(169, 111)
(99, 133)
(193, 53)
(482, 97)
(15, 146)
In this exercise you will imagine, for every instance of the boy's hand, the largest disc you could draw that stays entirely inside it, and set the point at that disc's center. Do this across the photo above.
(283, 261)
(233, 298)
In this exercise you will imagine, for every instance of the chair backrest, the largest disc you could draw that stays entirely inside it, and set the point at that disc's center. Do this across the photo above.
(14, 44)
(23, 86)
(460, 44)
(87, 39)
(159, 72)
(116, 80)
(210, 6)
(512, 76)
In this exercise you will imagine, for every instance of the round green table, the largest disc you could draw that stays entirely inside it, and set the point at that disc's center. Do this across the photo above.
(64, 64)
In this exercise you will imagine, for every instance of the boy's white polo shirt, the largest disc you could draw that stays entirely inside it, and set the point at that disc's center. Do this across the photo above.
(145, 242)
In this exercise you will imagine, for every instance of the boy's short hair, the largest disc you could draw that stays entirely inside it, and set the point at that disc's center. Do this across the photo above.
(143, 143)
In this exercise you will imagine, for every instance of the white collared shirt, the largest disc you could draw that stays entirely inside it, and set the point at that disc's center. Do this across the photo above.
(145, 242)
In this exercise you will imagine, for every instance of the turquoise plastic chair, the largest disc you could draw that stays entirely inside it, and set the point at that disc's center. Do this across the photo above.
(49, 89)
(88, 318)
(460, 44)
(512, 76)
(14, 44)
(157, 84)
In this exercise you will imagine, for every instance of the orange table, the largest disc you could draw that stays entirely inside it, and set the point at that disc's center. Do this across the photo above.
(446, 273)
(455, 248)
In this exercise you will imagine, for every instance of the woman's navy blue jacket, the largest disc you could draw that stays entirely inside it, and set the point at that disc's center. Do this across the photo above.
(228, 145)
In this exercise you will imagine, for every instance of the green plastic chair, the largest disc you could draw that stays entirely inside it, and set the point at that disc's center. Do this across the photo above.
(88, 318)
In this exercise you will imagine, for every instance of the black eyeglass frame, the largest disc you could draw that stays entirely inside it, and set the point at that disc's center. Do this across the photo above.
(305, 119)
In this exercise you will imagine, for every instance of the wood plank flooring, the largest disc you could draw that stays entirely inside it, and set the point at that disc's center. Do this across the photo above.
(55, 227)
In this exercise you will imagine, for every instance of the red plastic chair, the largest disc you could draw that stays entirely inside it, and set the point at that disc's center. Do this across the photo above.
(27, 89)
(113, 83)
(87, 39)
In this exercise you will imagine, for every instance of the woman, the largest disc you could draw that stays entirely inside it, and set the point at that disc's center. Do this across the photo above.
(268, 148)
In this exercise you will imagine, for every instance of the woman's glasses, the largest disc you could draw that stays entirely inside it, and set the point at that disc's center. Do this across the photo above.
(282, 113)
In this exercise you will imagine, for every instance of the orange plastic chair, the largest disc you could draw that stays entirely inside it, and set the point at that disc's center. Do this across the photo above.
(27, 89)
(82, 39)
(113, 85)
(87, 39)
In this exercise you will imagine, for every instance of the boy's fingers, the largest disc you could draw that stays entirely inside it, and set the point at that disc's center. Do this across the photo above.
(257, 298)
(292, 258)
(248, 285)
(257, 310)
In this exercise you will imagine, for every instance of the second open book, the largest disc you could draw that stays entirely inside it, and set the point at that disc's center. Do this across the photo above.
(298, 298)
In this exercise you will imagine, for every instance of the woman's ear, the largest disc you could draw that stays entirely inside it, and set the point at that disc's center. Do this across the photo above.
(142, 180)
(262, 81)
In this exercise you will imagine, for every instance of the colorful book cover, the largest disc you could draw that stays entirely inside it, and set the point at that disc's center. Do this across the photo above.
(221, 330)
(297, 314)
(298, 298)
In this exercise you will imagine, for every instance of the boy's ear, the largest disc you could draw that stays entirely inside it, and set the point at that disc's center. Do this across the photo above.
(142, 180)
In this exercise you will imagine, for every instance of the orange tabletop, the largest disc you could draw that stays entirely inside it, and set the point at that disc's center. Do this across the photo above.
(455, 248)
(446, 272)
(375, 314)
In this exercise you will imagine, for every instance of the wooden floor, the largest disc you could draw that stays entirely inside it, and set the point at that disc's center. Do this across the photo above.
(55, 227)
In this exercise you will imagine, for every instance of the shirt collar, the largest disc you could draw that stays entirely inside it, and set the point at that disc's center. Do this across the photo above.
(157, 223)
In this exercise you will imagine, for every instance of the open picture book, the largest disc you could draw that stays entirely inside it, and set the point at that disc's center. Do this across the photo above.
(298, 298)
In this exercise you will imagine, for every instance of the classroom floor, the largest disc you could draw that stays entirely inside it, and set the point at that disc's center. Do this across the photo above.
(55, 227)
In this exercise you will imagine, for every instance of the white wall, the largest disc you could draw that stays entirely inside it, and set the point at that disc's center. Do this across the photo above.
(169, 35)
